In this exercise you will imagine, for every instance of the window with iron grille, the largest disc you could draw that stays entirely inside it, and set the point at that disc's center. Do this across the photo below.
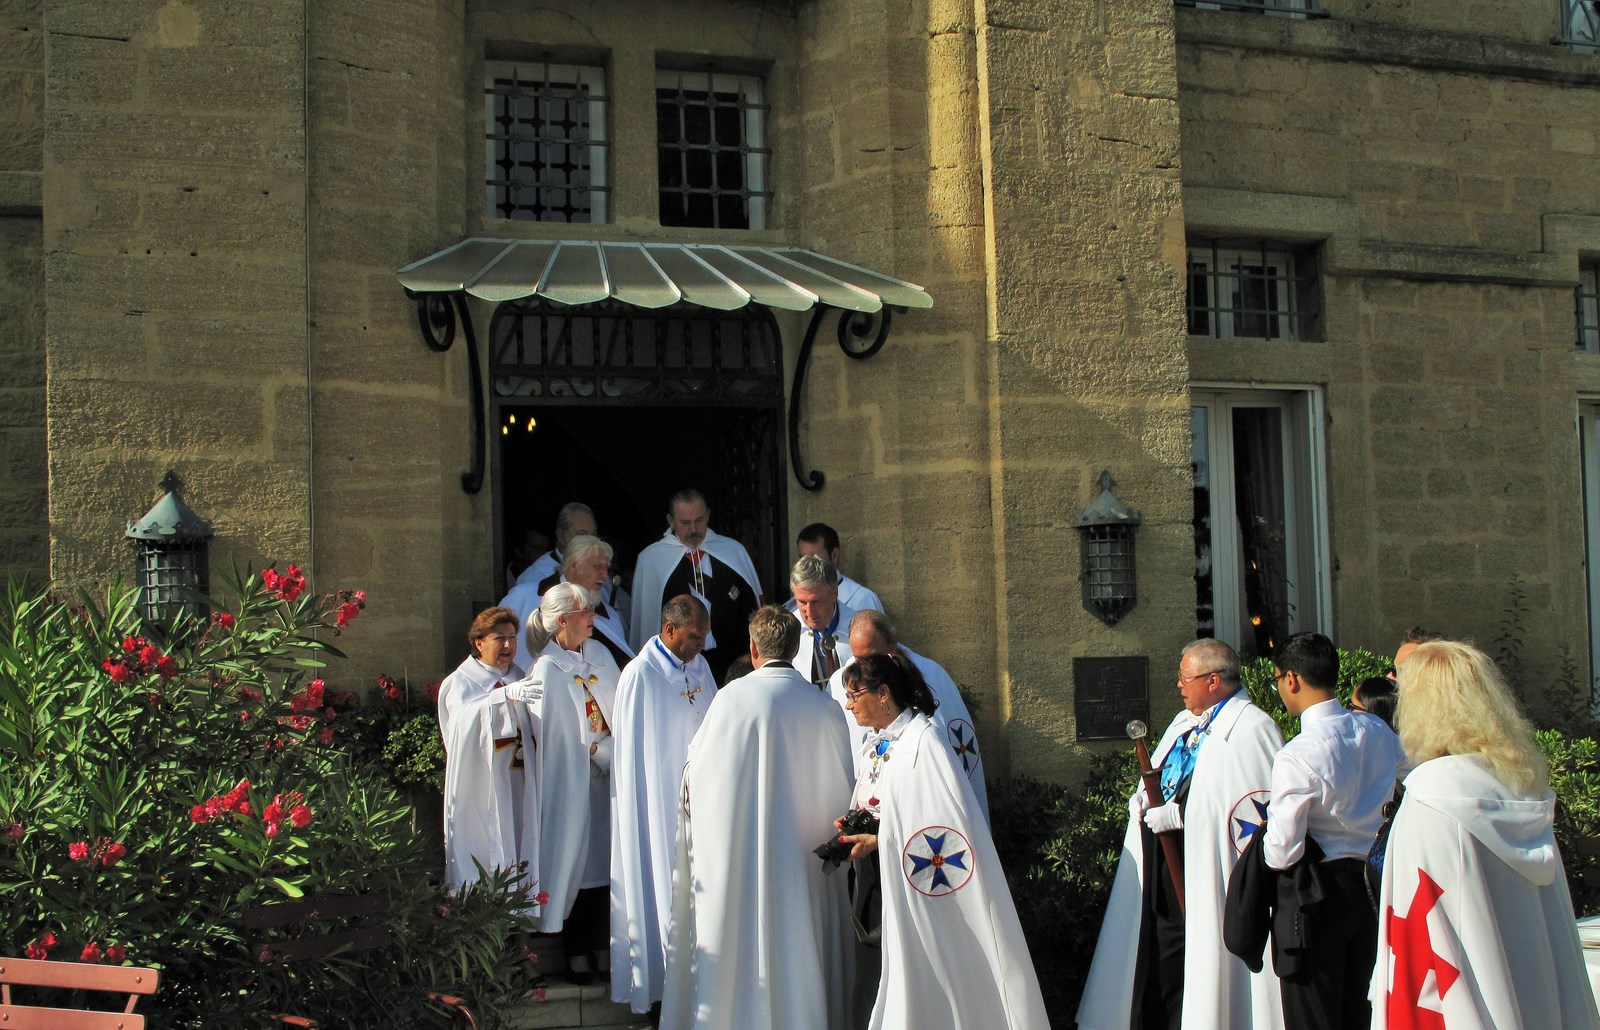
(1252, 289)
(1580, 25)
(711, 149)
(1276, 8)
(545, 141)
(1586, 302)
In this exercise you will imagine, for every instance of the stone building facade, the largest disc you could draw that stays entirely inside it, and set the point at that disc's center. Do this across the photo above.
(1307, 281)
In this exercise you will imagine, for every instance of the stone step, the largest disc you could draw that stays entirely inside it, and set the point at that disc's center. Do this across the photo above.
(569, 1007)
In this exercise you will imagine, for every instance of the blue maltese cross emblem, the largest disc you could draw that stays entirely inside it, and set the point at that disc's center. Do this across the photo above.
(937, 861)
(1249, 815)
(964, 743)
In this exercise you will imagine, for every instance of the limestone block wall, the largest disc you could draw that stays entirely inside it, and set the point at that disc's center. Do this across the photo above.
(174, 275)
(1437, 186)
(24, 518)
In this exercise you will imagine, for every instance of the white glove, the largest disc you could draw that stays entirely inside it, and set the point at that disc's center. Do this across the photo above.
(1138, 804)
(526, 691)
(600, 757)
(1164, 819)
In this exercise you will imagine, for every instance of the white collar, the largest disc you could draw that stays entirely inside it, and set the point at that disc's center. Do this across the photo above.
(894, 730)
(1321, 712)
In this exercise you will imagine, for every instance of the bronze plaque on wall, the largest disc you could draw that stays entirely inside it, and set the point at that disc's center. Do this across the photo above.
(1107, 692)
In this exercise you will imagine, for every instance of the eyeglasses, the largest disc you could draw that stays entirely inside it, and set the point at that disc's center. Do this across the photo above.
(1198, 676)
(853, 695)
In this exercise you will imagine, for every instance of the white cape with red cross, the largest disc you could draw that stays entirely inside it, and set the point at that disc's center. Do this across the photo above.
(1475, 925)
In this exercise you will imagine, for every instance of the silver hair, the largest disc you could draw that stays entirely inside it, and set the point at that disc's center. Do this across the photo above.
(1215, 656)
(581, 547)
(813, 570)
(876, 621)
(543, 621)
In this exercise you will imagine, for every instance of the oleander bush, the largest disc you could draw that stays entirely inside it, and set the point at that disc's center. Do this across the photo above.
(154, 788)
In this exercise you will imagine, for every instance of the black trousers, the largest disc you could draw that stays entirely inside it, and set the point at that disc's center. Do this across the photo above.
(1158, 976)
(587, 930)
(1329, 992)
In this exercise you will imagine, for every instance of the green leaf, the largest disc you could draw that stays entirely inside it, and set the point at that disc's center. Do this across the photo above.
(288, 888)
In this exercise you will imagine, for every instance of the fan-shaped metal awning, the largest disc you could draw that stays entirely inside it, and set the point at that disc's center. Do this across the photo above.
(655, 275)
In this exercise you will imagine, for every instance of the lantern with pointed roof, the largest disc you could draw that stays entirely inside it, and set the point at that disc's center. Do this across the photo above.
(1106, 529)
(172, 560)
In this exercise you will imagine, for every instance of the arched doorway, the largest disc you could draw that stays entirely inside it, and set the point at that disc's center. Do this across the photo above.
(619, 406)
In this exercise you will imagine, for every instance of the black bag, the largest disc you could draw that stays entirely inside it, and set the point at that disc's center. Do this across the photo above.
(1380, 847)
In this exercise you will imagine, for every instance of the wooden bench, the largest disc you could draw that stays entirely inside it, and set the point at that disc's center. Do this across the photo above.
(357, 929)
(134, 981)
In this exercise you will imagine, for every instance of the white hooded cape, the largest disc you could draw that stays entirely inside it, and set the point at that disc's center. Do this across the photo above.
(660, 704)
(760, 936)
(656, 563)
(841, 645)
(1476, 927)
(953, 951)
(1227, 796)
(491, 813)
(471, 680)
(568, 796)
(951, 718)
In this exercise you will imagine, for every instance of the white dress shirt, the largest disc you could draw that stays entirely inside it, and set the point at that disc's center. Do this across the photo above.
(1330, 783)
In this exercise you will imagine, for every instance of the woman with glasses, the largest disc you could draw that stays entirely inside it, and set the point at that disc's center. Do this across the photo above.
(491, 797)
(953, 951)
(577, 679)
(1476, 924)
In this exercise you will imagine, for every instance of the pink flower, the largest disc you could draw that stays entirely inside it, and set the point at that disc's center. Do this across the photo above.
(132, 644)
(326, 736)
(166, 667)
(300, 817)
(112, 853)
(272, 829)
(148, 655)
(224, 619)
(199, 814)
(347, 614)
(117, 953)
(118, 671)
(360, 598)
(314, 693)
(15, 832)
(78, 850)
(39, 949)
(273, 813)
(542, 898)
(91, 952)
(433, 691)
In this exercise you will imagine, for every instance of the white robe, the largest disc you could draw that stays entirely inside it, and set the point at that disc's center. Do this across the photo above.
(471, 680)
(542, 567)
(491, 811)
(656, 563)
(953, 951)
(1229, 790)
(841, 645)
(953, 720)
(574, 787)
(760, 936)
(524, 600)
(654, 725)
(1476, 920)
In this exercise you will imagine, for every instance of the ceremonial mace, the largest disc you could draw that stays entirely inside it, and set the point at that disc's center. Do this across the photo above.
(1151, 780)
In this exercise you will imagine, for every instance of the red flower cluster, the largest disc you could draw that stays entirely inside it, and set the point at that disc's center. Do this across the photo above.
(299, 814)
(223, 620)
(114, 952)
(288, 586)
(347, 605)
(139, 658)
(39, 949)
(391, 689)
(105, 851)
(14, 832)
(236, 800)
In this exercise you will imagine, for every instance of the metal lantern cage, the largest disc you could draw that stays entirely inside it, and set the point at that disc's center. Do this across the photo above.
(1109, 579)
(172, 561)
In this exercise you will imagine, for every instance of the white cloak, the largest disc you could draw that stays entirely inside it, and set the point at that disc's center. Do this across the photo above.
(841, 645)
(654, 725)
(1227, 796)
(568, 793)
(953, 951)
(471, 680)
(491, 812)
(1477, 928)
(543, 566)
(656, 563)
(951, 718)
(760, 936)
(852, 595)
(523, 599)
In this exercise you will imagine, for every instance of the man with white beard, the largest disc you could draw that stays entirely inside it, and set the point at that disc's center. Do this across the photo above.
(588, 565)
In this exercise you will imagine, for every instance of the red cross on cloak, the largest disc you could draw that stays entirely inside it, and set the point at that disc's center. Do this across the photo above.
(1413, 958)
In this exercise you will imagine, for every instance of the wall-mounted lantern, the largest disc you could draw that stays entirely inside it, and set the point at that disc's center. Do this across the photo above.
(1107, 527)
(172, 562)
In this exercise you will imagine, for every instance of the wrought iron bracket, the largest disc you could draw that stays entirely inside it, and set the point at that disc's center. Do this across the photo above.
(861, 335)
(437, 316)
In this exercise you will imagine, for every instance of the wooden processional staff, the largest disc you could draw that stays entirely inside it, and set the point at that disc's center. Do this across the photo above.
(1151, 780)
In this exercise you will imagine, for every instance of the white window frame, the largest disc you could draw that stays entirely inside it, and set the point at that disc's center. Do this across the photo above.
(1586, 307)
(1589, 455)
(755, 129)
(1307, 543)
(591, 76)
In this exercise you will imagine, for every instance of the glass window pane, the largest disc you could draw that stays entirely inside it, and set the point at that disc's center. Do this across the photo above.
(1259, 486)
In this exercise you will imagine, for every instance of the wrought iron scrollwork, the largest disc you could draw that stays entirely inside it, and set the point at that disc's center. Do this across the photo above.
(861, 335)
(437, 317)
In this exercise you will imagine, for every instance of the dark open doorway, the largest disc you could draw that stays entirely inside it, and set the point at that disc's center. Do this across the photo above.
(619, 408)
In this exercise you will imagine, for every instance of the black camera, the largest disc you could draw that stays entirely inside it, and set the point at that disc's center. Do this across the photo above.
(833, 851)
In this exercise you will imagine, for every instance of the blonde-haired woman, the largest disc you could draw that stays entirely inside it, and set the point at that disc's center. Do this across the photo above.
(1475, 922)
(578, 681)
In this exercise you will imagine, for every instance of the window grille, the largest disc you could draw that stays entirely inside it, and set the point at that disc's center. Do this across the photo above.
(1275, 8)
(1251, 289)
(545, 141)
(1580, 25)
(711, 149)
(1586, 302)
